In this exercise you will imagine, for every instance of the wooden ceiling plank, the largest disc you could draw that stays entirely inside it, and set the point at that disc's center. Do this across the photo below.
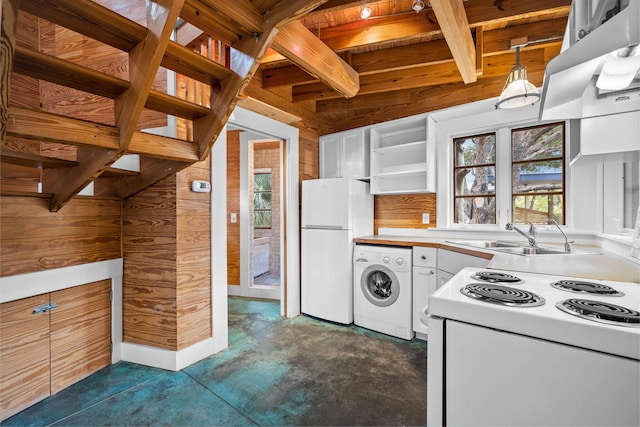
(479, 50)
(89, 18)
(288, 11)
(539, 34)
(454, 25)
(484, 13)
(286, 76)
(240, 11)
(38, 125)
(305, 50)
(205, 18)
(8, 25)
(486, 87)
(268, 110)
(382, 60)
(146, 144)
(306, 111)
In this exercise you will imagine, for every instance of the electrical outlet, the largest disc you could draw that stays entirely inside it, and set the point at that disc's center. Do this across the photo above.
(234, 217)
(426, 218)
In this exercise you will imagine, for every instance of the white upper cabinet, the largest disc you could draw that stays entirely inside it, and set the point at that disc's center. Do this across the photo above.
(402, 157)
(344, 155)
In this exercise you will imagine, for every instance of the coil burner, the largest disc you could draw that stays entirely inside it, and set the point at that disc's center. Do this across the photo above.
(495, 277)
(582, 287)
(502, 295)
(602, 312)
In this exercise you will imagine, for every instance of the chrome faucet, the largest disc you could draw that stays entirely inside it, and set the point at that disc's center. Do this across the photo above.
(531, 237)
(567, 243)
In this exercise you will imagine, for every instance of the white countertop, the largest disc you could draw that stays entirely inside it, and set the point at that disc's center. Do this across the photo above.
(603, 266)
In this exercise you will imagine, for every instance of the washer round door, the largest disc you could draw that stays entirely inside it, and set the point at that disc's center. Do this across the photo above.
(380, 285)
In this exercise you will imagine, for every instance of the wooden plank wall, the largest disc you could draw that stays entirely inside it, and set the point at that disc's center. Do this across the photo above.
(149, 283)
(194, 272)
(233, 206)
(403, 211)
(167, 267)
(34, 239)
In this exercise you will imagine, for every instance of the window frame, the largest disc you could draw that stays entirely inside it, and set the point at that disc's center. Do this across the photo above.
(262, 172)
(562, 158)
(503, 172)
(479, 165)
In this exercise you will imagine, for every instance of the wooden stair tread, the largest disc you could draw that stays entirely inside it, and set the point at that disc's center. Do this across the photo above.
(104, 25)
(55, 70)
(34, 160)
(119, 172)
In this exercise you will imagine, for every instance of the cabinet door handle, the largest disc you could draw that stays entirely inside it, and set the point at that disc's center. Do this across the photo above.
(44, 308)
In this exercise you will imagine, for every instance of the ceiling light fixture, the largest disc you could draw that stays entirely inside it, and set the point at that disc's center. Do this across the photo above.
(365, 12)
(417, 5)
(518, 91)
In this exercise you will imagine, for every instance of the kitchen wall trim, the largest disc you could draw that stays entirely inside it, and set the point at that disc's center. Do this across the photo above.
(41, 282)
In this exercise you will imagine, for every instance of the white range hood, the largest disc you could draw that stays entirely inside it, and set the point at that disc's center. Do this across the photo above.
(569, 90)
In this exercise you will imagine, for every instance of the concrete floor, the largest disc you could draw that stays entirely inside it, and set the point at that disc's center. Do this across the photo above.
(276, 372)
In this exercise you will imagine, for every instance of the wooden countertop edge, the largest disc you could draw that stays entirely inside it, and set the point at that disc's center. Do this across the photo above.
(452, 248)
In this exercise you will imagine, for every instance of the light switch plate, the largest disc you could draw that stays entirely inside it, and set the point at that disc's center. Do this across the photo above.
(426, 218)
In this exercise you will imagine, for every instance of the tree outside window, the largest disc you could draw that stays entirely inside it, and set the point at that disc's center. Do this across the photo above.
(537, 157)
(262, 200)
(475, 179)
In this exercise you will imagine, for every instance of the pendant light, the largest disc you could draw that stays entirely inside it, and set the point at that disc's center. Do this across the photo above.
(417, 5)
(518, 91)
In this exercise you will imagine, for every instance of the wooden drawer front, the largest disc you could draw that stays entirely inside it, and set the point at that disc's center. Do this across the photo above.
(24, 355)
(80, 333)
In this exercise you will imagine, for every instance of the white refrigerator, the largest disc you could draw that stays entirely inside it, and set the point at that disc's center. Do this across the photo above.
(334, 212)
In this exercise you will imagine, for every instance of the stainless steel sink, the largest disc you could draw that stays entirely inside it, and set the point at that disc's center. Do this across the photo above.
(486, 243)
(515, 247)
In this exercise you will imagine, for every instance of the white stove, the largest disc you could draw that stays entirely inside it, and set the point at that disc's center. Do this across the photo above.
(522, 342)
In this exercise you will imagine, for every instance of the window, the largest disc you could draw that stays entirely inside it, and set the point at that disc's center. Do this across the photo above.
(537, 174)
(515, 170)
(262, 200)
(475, 179)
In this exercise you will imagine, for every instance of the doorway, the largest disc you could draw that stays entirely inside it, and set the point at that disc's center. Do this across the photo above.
(255, 214)
(265, 127)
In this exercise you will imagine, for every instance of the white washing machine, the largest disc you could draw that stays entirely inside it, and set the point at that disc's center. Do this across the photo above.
(382, 290)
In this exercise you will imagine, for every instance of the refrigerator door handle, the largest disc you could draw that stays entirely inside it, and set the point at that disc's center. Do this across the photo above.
(323, 227)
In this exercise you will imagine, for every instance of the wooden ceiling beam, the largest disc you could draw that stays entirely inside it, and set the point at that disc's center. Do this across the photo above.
(288, 11)
(305, 50)
(454, 25)
(480, 13)
(425, 73)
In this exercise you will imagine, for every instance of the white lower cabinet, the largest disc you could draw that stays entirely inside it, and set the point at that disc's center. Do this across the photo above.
(450, 263)
(424, 284)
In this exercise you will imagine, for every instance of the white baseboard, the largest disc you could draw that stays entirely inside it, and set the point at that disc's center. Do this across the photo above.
(166, 359)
